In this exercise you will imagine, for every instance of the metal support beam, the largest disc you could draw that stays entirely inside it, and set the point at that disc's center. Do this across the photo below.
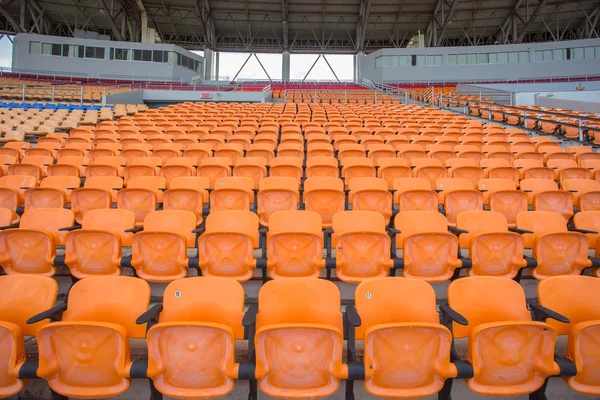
(332, 71)
(284, 25)
(113, 24)
(502, 34)
(361, 26)
(11, 20)
(311, 68)
(447, 22)
(208, 24)
(588, 26)
(531, 19)
(263, 68)
(242, 67)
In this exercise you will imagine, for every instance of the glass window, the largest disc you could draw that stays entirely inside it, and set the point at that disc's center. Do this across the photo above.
(137, 55)
(420, 60)
(100, 53)
(89, 51)
(430, 60)
(378, 61)
(199, 66)
(597, 51)
(578, 53)
(157, 56)
(439, 60)
(502, 58)
(559, 54)
(538, 55)
(484, 58)
(513, 57)
(523, 56)
(461, 59)
(146, 55)
(47, 48)
(451, 59)
(493, 58)
(173, 59)
(589, 53)
(547, 55)
(403, 61)
(67, 50)
(57, 49)
(35, 47)
(472, 58)
(121, 54)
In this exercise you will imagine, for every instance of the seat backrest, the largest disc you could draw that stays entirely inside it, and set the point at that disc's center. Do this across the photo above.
(538, 185)
(17, 181)
(47, 219)
(298, 301)
(412, 222)
(24, 296)
(323, 183)
(109, 219)
(233, 221)
(114, 299)
(278, 183)
(295, 221)
(541, 222)
(362, 184)
(173, 221)
(571, 296)
(496, 184)
(61, 182)
(358, 221)
(153, 183)
(154, 162)
(580, 185)
(103, 182)
(205, 299)
(485, 299)
(391, 300)
(450, 184)
(404, 184)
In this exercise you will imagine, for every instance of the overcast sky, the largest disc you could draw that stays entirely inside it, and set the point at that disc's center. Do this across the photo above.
(230, 63)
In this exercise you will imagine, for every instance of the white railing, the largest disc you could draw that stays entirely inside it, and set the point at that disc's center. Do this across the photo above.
(454, 82)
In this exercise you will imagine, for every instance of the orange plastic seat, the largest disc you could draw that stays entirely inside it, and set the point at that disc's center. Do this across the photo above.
(24, 296)
(325, 196)
(430, 169)
(12, 190)
(290, 149)
(347, 150)
(232, 193)
(371, 194)
(53, 192)
(208, 319)
(396, 330)
(296, 317)
(511, 354)
(142, 166)
(213, 168)
(97, 192)
(357, 167)
(589, 220)
(558, 201)
(393, 168)
(35, 166)
(573, 297)
(107, 166)
(430, 252)
(493, 250)
(96, 321)
(226, 248)
(141, 196)
(167, 150)
(295, 244)
(322, 166)
(276, 193)
(159, 252)
(178, 166)
(232, 151)
(361, 246)
(31, 248)
(414, 194)
(187, 193)
(251, 167)
(586, 193)
(198, 151)
(557, 251)
(458, 195)
(95, 249)
(287, 167)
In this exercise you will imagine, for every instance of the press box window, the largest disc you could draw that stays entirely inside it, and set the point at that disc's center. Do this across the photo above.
(35, 47)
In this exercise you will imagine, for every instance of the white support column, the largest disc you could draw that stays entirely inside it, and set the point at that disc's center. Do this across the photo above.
(357, 63)
(208, 64)
(217, 65)
(285, 66)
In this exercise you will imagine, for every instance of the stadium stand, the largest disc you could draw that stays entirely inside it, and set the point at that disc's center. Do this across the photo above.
(206, 197)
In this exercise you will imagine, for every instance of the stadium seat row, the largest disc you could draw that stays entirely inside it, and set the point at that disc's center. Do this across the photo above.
(358, 245)
(297, 336)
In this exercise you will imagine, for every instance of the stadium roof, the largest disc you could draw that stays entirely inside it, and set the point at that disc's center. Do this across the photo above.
(309, 26)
